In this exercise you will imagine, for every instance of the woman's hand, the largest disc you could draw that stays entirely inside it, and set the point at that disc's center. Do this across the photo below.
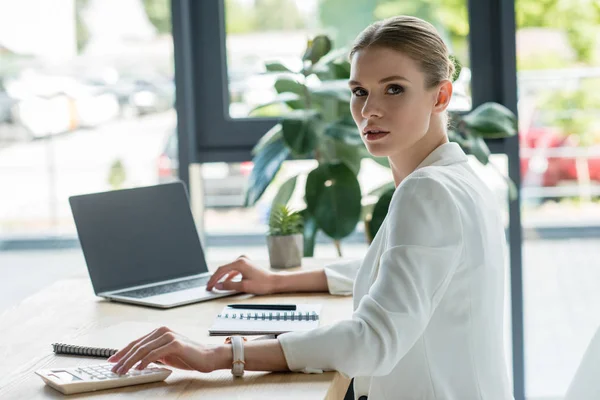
(255, 280)
(169, 348)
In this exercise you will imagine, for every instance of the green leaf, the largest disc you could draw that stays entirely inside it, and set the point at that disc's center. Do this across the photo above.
(285, 192)
(339, 54)
(340, 70)
(296, 104)
(277, 67)
(283, 221)
(350, 155)
(454, 136)
(491, 121)
(479, 149)
(333, 198)
(336, 89)
(299, 131)
(310, 233)
(267, 162)
(380, 212)
(344, 133)
(280, 98)
(317, 48)
(272, 135)
(457, 68)
(512, 188)
(283, 85)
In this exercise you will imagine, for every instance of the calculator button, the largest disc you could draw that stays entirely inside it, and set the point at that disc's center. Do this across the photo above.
(146, 372)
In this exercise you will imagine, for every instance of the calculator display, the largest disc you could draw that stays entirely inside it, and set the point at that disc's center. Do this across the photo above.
(64, 376)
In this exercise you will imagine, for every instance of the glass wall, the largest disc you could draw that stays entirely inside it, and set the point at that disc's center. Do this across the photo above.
(86, 104)
(558, 60)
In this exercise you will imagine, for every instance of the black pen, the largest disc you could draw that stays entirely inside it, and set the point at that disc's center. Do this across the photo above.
(287, 307)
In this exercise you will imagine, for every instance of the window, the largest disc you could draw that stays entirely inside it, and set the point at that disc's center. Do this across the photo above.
(86, 105)
(559, 105)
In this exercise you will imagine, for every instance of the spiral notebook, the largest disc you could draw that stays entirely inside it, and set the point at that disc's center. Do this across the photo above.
(264, 322)
(62, 348)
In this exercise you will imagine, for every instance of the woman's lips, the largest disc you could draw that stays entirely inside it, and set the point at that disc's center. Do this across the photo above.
(375, 136)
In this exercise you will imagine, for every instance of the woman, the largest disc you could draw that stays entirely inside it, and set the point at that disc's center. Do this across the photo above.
(428, 296)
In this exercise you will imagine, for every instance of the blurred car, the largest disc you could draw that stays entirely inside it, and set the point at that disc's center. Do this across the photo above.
(541, 170)
(224, 184)
(143, 96)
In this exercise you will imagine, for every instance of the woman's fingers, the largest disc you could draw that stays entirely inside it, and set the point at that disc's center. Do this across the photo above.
(238, 266)
(119, 354)
(231, 285)
(159, 352)
(232, 275)
(142, 351)
(124, 353)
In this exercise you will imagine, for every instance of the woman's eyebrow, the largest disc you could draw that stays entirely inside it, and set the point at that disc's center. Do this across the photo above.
(384, 80)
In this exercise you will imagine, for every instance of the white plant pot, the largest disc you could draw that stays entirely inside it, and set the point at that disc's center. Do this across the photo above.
(285, 251)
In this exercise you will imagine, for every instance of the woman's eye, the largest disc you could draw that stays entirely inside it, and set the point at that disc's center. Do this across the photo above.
(359, 92)
(395, 89)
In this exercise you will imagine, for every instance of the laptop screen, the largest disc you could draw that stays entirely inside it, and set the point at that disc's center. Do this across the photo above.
(137, 236)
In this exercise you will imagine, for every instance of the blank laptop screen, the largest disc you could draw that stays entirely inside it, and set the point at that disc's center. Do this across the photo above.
(137, 236)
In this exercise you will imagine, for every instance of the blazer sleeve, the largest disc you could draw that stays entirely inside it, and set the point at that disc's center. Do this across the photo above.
(423, 250)
(341, 275)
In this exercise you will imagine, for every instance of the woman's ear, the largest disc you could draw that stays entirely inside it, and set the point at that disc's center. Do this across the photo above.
(444, 94)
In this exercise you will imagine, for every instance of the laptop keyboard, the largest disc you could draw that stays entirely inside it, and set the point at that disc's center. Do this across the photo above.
(166, 288)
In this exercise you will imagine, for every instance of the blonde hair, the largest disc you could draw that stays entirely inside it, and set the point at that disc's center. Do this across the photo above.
(414, 37)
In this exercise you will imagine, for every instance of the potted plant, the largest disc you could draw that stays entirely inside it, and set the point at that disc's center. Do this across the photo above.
(317, 124)
(285, 240)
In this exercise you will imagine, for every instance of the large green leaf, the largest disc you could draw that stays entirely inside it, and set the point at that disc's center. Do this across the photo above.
(266, 164)
(310, 233)
(283, 85)
(299, 131)
(285, 193)
(272, 135)
(317, 48)
(379, 213)
(479, 149)
(491, 121)
(276, 67)
(333, 198)
(344, 133)
(348, 154)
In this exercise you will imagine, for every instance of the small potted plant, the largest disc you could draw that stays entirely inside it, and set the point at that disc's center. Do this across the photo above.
(285, 240)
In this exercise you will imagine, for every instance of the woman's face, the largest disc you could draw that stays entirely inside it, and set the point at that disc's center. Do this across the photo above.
(390, 104)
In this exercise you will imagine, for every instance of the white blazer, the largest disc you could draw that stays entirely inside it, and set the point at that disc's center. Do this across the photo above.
(428, 296)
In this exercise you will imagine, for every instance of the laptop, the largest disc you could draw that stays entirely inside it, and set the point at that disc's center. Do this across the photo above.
(141, 246)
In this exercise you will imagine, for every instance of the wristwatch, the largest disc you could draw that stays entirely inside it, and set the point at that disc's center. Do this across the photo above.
(237, 344)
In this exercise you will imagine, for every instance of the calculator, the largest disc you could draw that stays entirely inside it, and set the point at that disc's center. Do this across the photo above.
(98, 377)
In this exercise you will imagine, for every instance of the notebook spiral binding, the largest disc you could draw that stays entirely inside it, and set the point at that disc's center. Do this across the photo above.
(272, 316)
(61, 348)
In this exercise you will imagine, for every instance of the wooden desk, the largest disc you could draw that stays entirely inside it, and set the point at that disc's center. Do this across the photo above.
(69, 312)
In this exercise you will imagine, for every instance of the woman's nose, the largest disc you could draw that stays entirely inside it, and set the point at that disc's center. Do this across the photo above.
(371, 109)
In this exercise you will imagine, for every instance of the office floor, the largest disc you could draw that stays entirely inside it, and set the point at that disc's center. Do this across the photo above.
(561, 300)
